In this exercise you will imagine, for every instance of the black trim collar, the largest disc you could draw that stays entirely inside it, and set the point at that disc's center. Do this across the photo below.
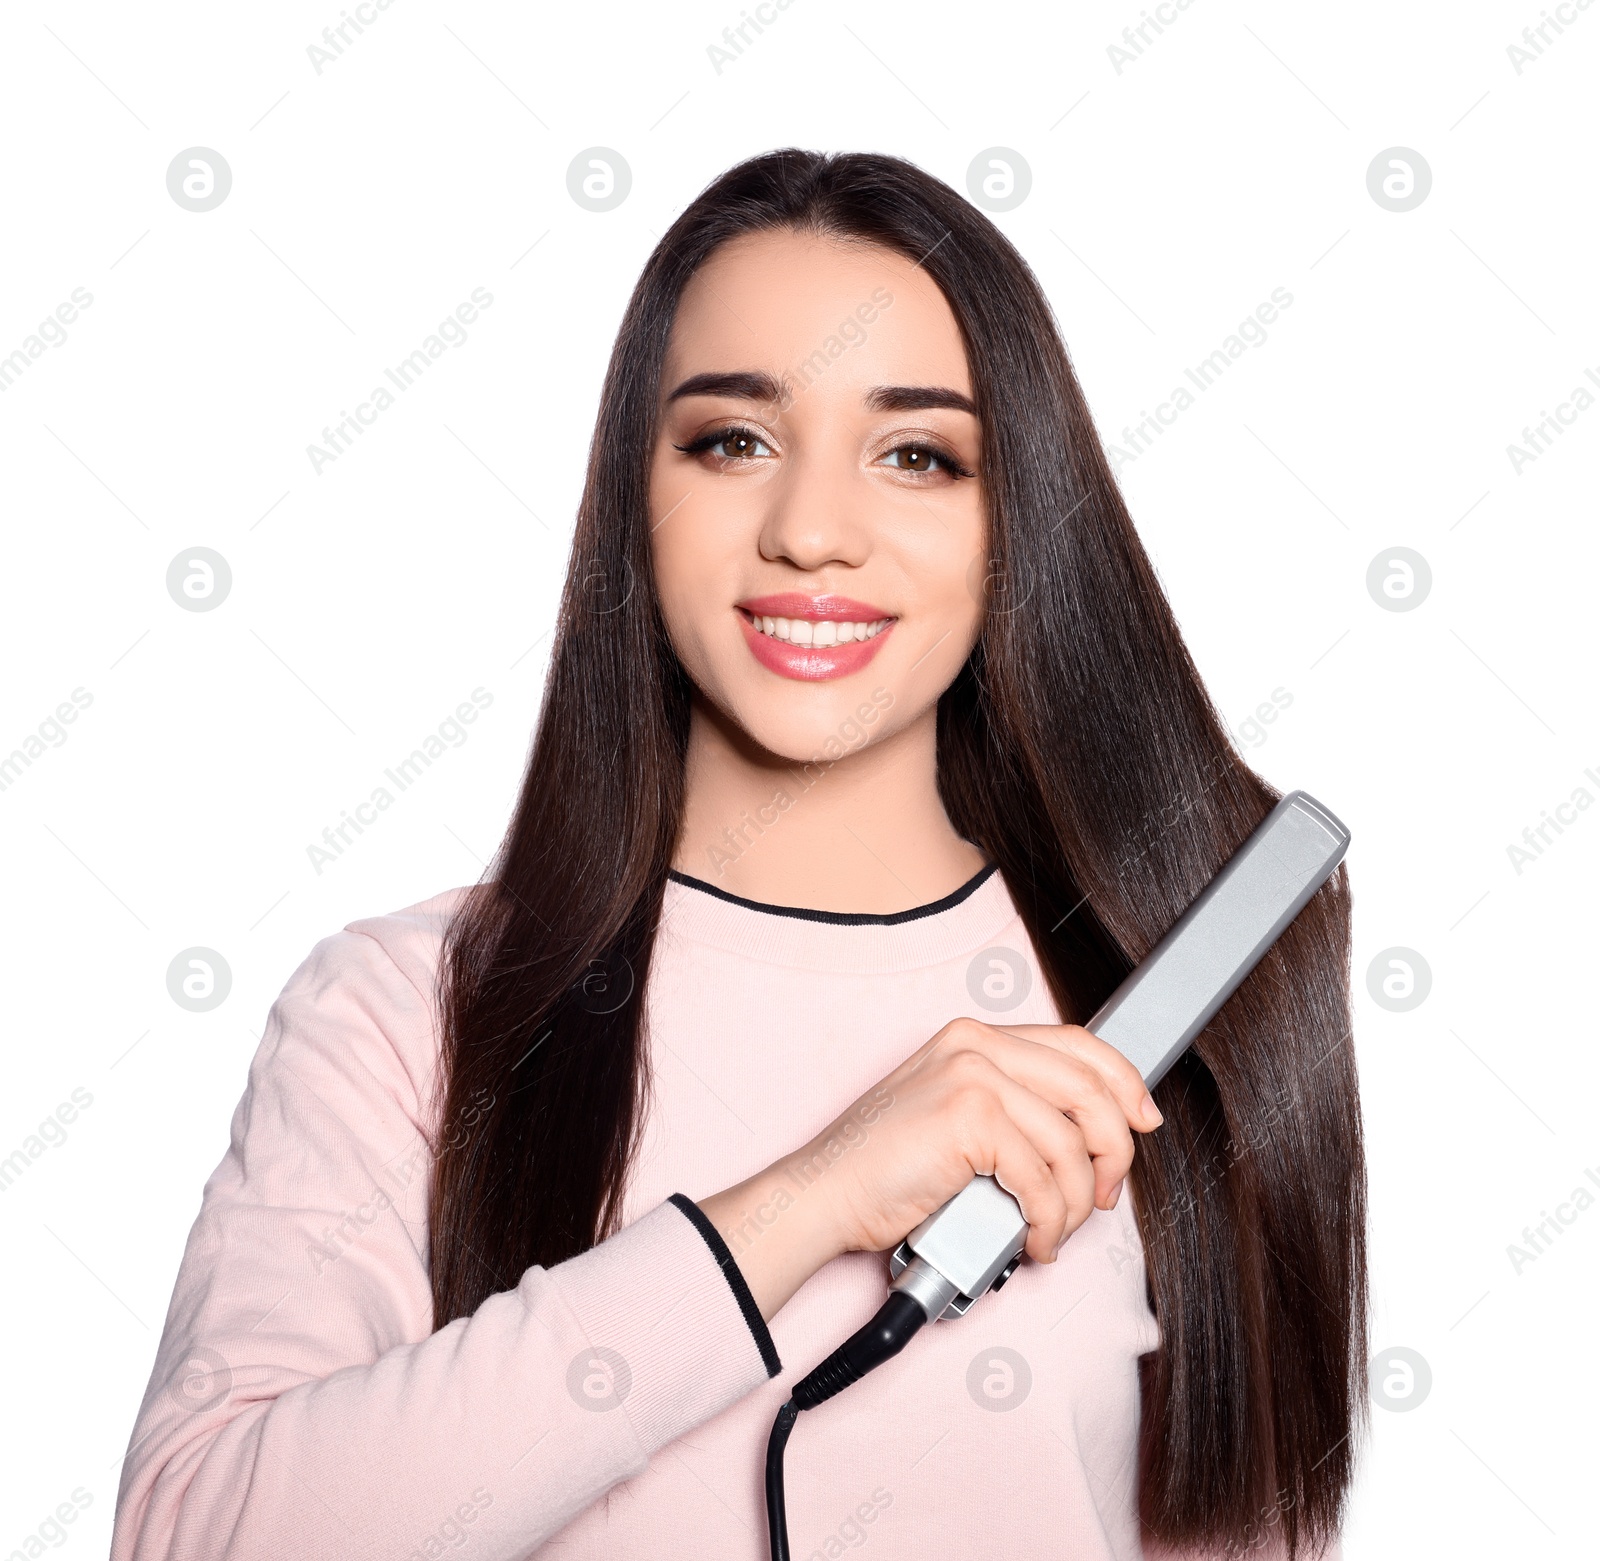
(840, 918)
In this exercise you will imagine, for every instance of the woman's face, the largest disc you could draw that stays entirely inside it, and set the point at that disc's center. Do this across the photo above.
(817, 518)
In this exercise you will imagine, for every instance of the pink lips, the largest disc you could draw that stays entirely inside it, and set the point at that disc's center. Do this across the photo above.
(811, 663)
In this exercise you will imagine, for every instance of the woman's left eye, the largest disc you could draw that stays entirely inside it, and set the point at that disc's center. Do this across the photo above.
(922, 458)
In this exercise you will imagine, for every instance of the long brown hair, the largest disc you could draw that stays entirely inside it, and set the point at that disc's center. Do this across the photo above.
(1078, 749)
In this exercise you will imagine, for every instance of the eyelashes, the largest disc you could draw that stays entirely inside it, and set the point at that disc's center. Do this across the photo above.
(926, 448)
(710, 441)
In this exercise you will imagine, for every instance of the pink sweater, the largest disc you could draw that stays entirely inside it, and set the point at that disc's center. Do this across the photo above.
(618, 1404)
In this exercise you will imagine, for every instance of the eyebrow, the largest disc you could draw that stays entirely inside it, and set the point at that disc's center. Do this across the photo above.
(754, 385)
(917, 398)
(744, 385)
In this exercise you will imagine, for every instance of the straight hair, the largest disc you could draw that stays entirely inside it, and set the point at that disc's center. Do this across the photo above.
(1078, 749)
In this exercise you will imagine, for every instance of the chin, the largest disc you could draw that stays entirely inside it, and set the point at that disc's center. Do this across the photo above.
(831, 725)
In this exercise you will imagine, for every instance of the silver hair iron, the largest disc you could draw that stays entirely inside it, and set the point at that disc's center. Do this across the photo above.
(972, 1244)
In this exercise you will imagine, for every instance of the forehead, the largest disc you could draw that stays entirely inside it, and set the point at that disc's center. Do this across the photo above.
(772, 300)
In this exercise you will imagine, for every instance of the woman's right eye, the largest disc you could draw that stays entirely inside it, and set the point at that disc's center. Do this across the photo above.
(728, 444)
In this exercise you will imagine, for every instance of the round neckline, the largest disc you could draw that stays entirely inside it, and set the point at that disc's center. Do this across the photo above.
(978, 915)
(842, 918)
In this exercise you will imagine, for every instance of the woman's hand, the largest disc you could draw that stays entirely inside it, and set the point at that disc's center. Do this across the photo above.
(1044, 1109)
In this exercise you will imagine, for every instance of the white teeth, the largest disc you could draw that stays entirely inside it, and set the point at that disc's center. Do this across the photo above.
(828, 631)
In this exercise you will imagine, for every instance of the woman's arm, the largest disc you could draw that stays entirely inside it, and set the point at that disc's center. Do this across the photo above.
(301, 1403)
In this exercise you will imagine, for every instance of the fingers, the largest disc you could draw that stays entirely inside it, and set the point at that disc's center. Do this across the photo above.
(1045, 1109)
(1100, 1135)
(1001, 1149)
(1120, 1076)
(1039, 1154)
(1064, 1084)
(1059, 1142)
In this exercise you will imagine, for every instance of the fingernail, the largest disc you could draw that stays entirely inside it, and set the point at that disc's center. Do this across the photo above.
(1150, 1111)
(1116, 1192)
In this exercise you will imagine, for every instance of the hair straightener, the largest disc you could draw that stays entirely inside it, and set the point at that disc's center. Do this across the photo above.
(973, 1243)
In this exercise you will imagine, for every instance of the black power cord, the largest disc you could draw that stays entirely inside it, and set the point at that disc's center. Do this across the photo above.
(885, 1336)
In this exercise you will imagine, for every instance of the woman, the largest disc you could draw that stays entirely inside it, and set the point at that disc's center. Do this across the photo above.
(870, 760)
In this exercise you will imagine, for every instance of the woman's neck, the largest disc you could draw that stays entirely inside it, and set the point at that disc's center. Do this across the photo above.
(866, 832)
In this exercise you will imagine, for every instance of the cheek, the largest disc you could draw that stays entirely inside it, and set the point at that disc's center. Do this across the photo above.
(693, 551)
(949, 566)
(672, 561)
(943, 567)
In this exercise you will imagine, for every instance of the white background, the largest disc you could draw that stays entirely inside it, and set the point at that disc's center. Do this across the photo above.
(1168, 200)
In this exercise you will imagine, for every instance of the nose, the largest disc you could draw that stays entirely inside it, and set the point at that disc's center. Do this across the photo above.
(817, 513)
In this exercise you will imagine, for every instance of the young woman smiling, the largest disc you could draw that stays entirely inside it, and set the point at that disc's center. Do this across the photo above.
(870, 760)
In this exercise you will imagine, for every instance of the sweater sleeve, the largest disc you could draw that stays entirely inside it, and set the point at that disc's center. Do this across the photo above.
(301, 1403)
